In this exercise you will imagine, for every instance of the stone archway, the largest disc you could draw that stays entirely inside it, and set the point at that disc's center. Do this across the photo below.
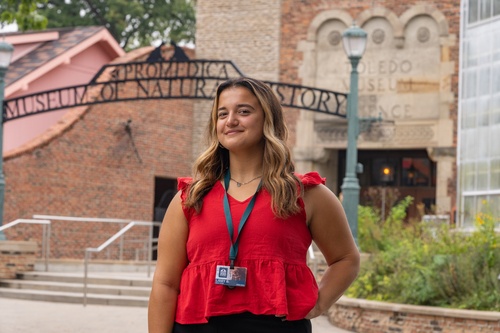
(405, 76)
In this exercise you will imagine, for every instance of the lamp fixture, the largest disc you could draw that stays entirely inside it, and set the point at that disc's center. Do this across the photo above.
(6, 50)
(354, 40)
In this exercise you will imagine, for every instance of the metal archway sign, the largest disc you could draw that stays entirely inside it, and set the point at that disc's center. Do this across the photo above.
(191, 79)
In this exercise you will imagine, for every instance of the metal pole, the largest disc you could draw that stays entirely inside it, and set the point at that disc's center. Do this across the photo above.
(2, 178)
(383, 204)
(85, 275)
(44, 245)
(47, 247)
(350, 186)
(150, 248)
(121, 243)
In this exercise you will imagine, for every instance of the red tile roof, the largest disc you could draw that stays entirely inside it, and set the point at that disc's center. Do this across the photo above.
(68, 38)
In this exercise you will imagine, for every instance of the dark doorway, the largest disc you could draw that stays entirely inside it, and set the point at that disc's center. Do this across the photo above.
(397, 174)
(165, 190)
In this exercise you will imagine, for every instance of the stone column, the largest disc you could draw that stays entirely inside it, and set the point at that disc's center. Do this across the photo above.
(445, 159)
(16, 256)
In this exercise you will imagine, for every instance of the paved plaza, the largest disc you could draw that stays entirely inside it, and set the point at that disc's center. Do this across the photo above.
(23, 316)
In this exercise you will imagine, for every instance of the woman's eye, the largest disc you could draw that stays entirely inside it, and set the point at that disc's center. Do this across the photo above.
(244, 111)
(221, 114)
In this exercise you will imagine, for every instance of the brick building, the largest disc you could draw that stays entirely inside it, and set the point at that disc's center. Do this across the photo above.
(112, 160)
(118, 159)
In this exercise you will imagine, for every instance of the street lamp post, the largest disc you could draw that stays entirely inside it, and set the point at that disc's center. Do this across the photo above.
(6, 51)
(354, 40)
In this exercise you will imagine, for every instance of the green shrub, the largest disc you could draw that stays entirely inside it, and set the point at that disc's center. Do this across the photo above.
(423, 264)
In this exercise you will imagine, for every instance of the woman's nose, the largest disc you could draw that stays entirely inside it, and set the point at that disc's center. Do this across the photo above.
(232, 120)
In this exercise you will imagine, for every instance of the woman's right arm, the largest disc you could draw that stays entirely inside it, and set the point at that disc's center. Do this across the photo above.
(171, 261)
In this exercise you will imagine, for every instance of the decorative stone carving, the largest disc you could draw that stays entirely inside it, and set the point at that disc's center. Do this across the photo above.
(378, 36)
(334, 38)
(380, 131)
(327, 134)
(414, 133)
(423, 34)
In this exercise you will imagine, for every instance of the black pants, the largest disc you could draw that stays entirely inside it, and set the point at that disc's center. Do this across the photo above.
(246, 323)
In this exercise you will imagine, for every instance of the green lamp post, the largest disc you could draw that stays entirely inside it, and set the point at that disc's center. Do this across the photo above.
(354, 40)
(6, 51)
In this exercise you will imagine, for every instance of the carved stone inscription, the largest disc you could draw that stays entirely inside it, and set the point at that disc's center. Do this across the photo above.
(397, 83)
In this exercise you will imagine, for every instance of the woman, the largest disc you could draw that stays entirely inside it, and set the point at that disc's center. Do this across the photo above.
(233, 244)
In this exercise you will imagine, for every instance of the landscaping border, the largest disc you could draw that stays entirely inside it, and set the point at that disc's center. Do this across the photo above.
(359, 315)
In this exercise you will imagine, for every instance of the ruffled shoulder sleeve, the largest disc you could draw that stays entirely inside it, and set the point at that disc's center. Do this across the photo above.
(311, 179)
(183, 184)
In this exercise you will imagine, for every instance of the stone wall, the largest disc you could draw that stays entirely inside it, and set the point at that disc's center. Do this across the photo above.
(359, 315)
(16, 257)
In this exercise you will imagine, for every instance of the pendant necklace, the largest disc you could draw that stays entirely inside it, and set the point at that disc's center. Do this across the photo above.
(239, 184)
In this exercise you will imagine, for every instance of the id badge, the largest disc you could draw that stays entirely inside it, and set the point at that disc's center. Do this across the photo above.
(235, 277)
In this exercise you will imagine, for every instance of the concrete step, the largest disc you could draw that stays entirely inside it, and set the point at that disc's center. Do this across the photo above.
(109, 286)
(76, 287)
(67, 297)
(103, 279)
(111, 266)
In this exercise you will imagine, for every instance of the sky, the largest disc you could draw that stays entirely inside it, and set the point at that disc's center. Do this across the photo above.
(8, 28)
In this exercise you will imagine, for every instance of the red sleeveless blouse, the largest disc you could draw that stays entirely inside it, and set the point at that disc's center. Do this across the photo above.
(273, 250)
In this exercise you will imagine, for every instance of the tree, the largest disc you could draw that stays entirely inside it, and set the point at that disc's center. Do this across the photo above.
(24, 13)
(133, 23)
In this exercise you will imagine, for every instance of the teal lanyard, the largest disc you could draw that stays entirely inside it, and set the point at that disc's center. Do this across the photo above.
(233, 251)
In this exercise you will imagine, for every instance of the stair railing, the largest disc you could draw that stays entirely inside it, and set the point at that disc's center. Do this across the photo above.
(104, 245)
(122, 222)
(45, 235)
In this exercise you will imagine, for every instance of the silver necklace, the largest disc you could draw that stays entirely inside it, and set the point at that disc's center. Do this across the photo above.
(239, 184)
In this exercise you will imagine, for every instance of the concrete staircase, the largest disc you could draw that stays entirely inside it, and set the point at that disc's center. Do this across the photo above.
(108, 284)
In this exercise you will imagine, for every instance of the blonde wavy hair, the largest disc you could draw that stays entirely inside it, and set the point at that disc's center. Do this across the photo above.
(277, 174)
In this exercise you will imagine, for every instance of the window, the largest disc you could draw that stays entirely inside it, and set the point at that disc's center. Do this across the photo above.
(495, 174)
(473, 11)
(485, 9)
(496, 7)
(396, 169)
(480, 10)
(479, 107)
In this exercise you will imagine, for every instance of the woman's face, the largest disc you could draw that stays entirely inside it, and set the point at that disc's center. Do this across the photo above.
(240, 120)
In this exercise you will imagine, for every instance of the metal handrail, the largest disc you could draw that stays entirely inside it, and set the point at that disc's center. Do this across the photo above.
(110, 241)
(87, 219)
(45, 235)
(80, 219)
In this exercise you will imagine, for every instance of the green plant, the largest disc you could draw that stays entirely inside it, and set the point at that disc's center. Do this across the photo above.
(426, 264)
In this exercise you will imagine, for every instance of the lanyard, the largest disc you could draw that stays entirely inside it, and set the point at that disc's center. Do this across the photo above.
(233, 251)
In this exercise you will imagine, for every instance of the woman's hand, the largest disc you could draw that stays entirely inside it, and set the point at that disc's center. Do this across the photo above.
(315, 312)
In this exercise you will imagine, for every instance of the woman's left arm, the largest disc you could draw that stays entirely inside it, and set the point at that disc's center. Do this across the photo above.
(331, 233)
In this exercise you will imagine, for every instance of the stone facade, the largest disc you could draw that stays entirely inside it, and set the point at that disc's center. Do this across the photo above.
(408, 75)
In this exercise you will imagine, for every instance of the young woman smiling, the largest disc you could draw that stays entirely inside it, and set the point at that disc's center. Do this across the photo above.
(233, 244)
